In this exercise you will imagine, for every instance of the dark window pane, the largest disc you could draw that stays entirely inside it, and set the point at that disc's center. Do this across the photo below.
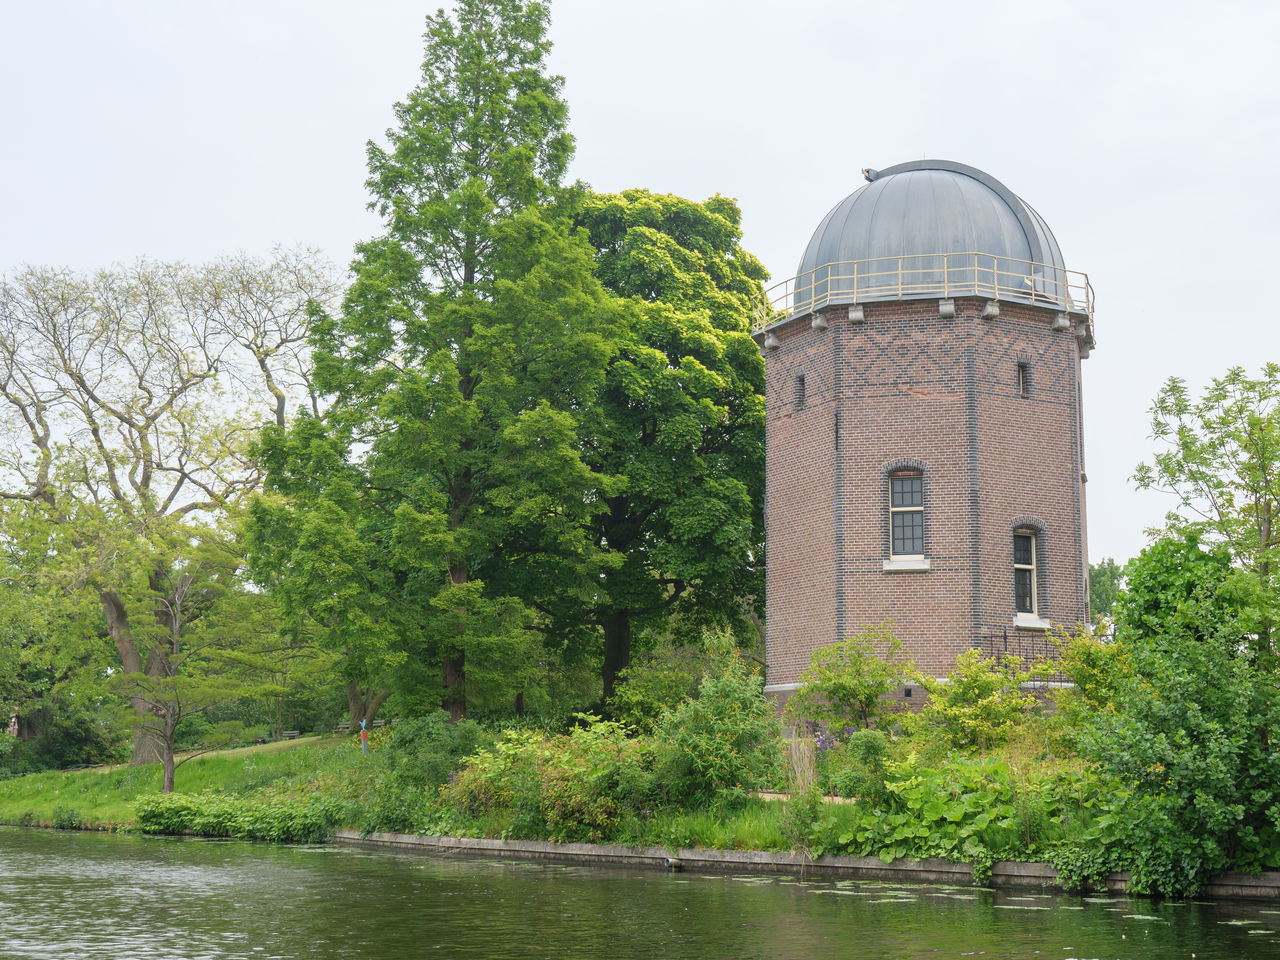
(1023, 549)
(1022, 599)
(907, 491)
(908, 532)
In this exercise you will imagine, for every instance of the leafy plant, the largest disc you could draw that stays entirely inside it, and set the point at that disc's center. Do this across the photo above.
(647, 691)
(856, 767)
(846, 682)
(981, 701)
(722, 743)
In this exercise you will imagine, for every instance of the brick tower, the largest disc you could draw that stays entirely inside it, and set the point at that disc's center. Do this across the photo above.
(924, 459)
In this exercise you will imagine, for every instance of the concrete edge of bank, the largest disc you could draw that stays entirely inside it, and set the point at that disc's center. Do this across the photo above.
(1004, 874)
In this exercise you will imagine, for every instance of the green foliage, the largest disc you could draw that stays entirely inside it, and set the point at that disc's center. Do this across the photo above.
(723, 742)
(855, 767)
(1092, 664)
(976, 811)
(66, 818)
(679, 424)
(1179, 587)
(579, 786)
(1190, 733)
(980, 703)
(1220, 456)
(593, 778)
(649, 690)
(419, 756)
(218, 815)
(1105, 578)
(447, 472)
(846, 683)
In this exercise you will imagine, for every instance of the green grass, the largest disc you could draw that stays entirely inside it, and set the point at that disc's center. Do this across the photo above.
(103, 797)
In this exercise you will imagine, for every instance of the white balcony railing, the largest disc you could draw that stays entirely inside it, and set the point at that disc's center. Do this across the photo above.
(919, 276)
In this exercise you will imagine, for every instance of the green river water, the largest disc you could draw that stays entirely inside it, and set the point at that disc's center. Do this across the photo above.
(81, 896)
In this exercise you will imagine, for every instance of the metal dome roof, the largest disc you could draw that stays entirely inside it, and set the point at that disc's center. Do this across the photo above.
(926, 228)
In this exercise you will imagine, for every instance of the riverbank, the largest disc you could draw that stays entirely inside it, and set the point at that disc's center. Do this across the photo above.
(1010, 875)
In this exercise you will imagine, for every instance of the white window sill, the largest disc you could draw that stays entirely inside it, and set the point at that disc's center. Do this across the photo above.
(1029, 621)
(905, 564)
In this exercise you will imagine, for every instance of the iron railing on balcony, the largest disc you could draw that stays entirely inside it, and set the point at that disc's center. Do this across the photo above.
(918, 276)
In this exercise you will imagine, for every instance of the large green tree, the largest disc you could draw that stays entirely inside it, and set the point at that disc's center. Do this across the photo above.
(679, 425)
(473, 335)
(128, 400)
(1220, 456)
(1186, 722)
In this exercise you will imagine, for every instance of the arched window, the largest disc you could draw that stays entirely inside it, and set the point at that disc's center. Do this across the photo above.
(906, 528)
(1030, 574)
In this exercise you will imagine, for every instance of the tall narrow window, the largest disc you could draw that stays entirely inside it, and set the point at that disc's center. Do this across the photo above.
(906, 514)
(1023, 382)
(799, 389)
(1024, 571)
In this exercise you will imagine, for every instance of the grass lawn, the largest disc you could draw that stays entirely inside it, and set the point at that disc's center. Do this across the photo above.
(102, 797)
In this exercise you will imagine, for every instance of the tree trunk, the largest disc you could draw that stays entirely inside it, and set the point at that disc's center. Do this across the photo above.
(146, 746)
(617, 649)
(453, 673)
(363, 703)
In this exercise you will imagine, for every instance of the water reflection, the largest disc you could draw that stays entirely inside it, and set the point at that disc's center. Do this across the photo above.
(90, 896)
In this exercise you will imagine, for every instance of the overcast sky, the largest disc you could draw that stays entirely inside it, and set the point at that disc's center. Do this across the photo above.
(1145, 134)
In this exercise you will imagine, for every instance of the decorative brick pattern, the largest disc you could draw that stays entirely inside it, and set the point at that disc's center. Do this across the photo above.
(907, 387)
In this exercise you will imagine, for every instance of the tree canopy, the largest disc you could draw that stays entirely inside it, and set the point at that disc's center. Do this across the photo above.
(130, 399)
(472, 336)
(1220, 458)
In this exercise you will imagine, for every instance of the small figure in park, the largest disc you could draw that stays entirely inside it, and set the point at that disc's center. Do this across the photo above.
(364, 738)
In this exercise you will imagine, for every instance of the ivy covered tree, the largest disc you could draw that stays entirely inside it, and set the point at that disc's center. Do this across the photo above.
(473, 335)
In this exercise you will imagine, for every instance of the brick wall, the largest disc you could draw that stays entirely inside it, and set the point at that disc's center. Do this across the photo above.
(907, 387)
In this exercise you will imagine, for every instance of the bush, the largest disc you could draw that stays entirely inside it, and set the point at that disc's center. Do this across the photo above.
(648, 691)
(976, 811)
(505, 779)
(418, 756)
(846, 683)
(724, 742)
(855, 768)
(217, 815)
(592, 779)
(980, 703)
(577, 786)
(66, 818)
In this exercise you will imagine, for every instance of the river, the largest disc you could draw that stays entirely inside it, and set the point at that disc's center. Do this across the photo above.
(79, 896)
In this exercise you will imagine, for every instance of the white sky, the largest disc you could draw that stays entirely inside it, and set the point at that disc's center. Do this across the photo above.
(1145, 134)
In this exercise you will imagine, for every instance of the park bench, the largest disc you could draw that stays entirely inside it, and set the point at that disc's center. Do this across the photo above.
(290, 734)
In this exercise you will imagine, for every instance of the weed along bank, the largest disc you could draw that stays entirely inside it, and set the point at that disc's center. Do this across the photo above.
(924, 459)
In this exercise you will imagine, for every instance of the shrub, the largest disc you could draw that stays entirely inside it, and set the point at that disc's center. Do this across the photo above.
(846, 682)
(722, 743)
(66, 818)
(503, 779)
(217, 815)
(980, 703)
(418, 756)
(591, 779)
(648, 691)
(856, 768)
(970, 810)
(576, 786)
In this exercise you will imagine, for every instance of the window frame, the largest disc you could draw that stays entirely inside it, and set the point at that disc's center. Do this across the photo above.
(1028, 568)
(895, 470)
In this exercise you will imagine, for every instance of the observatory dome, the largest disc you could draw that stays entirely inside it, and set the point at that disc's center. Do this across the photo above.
(930, 228)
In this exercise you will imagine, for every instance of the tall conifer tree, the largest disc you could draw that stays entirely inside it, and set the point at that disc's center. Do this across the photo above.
(472, 334)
